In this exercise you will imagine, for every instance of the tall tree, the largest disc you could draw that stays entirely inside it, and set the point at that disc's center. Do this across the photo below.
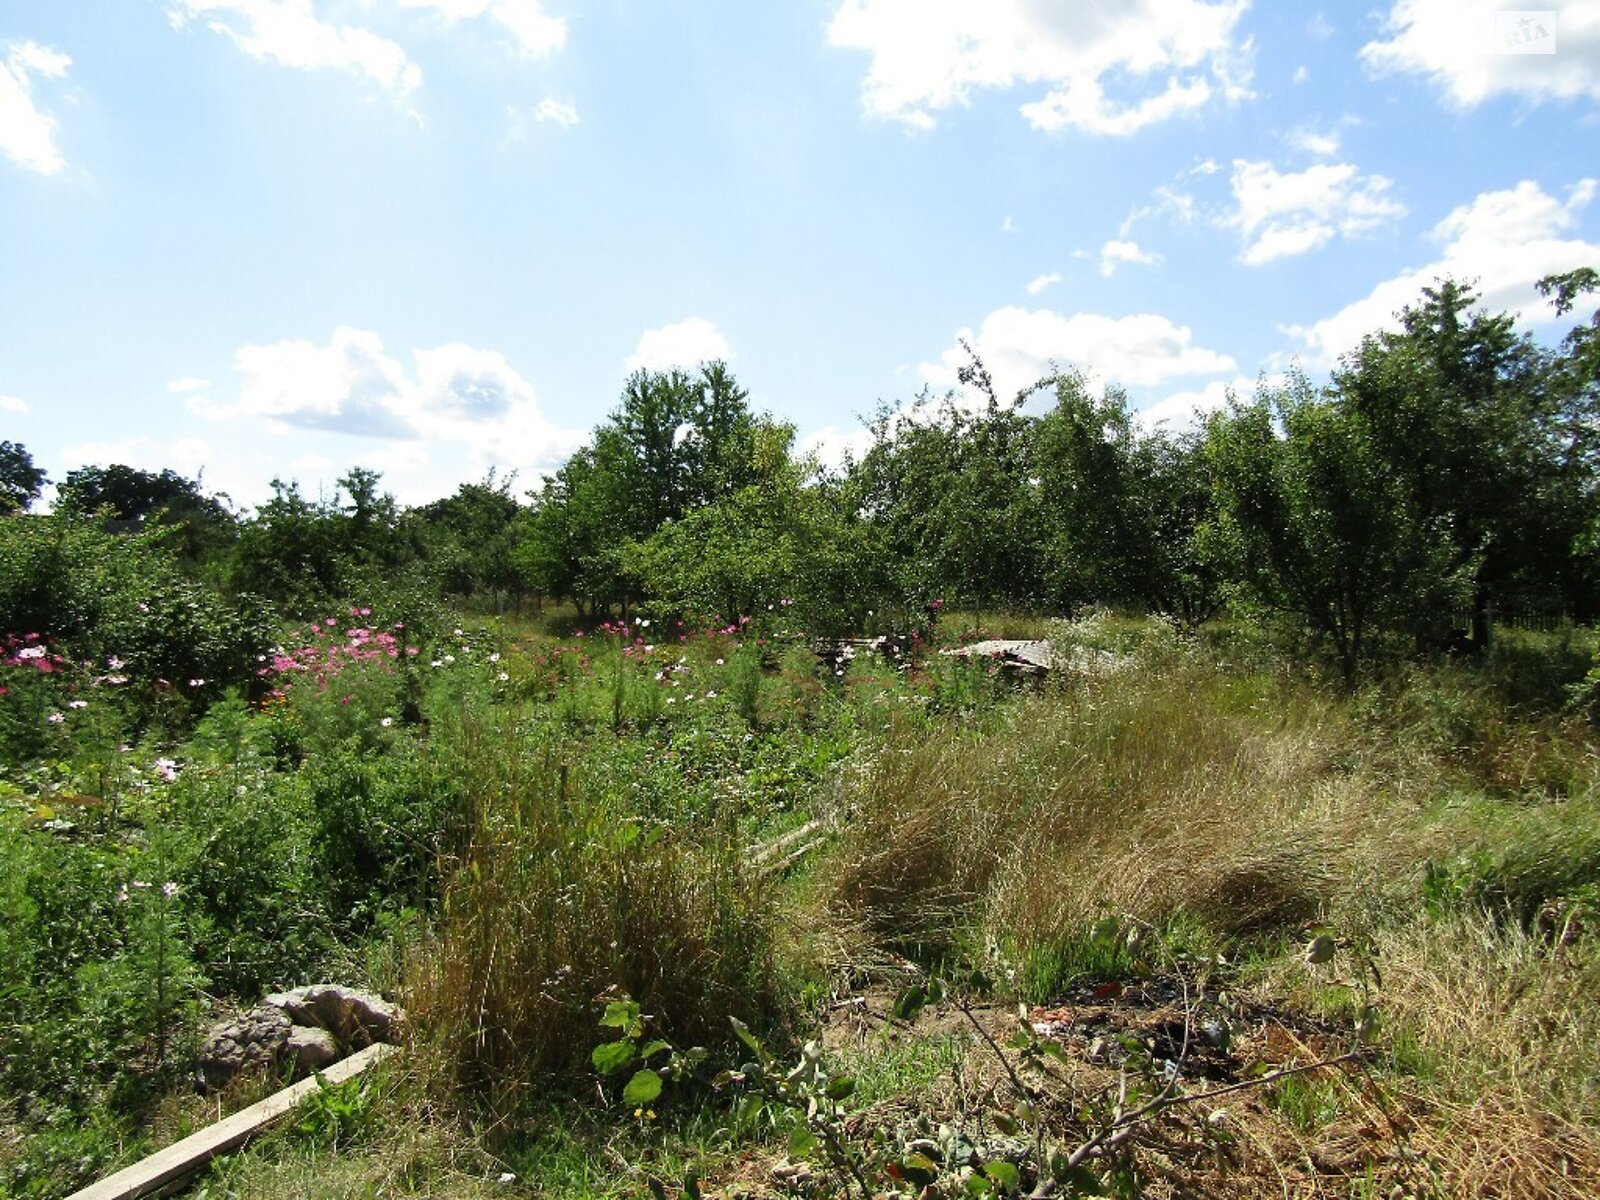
(20, 481)
(1318, 521)
(1459, 409)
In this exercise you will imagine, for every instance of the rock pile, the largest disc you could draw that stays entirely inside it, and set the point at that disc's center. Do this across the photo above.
(303, 1030)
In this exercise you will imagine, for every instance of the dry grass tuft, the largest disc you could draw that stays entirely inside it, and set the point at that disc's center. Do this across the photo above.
(556, 901)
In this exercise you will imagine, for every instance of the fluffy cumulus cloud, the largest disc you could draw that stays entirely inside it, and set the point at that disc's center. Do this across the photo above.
(684, 344)
(454, 394)
(1104, 68)
(1281, 214)
(28, 132)
(1503, 242)
(14, 405)
(535, 31)
(1119, 253)
(1019, 346)
(1472, 50)
(290, 32)
(1188, 409)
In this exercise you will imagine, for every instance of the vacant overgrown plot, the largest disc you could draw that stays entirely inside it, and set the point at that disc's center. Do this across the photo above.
(701, 866)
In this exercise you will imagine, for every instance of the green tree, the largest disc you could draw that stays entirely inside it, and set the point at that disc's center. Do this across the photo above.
(1318, 521)
(20, 481)
(1460, 412)
(200, 526)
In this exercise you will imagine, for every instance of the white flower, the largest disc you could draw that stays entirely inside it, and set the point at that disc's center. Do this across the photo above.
(77, 704)
(55, 718)
(169, 889)
(719, 662)
(711, 695)
(449, 658)
(31, 652)
(115, 663)
(495, 657)
(502, 677)
(386, 722)
(197, 683)
(458, 633)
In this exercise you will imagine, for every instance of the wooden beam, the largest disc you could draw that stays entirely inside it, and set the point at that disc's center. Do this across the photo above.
(166, 1167)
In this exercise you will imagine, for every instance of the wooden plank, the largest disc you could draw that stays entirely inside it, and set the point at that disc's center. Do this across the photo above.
(165, 1167)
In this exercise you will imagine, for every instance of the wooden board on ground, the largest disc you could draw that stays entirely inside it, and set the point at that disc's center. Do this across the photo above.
(164, 1168)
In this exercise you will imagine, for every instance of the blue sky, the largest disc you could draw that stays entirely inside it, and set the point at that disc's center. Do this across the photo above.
(262, 238)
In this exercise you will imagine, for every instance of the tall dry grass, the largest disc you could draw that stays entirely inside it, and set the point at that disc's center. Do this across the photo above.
(556, 900)
(1167, 787)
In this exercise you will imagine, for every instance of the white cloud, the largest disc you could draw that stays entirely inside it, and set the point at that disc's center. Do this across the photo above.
(1167, 57)
(27, 132)
(455, 394)
(1287, 213)
(537, 33)
(832, 444)
(290, 33)
(1316, 142)
(1020, 346)
(188, 385)
(13, 404)
(1043, 281)
(1503, 242)
(1461, 47)
(684, 344)
(1301, 75)
(1188, 409)
(559, 112)
(1115, 254)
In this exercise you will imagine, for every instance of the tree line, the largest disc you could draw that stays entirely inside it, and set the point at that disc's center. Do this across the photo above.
(1447, 470)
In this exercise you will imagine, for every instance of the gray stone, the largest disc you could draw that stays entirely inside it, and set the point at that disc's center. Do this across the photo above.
(255, 1039)
(311, 1048)
(355, 1017)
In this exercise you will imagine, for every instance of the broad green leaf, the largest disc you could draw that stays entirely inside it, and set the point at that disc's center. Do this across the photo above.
(611, 1057)
(919, 1169)
(620, 1014)
(1078, 1181)
(841, 1088)
(643, 1088)
(650, 1049)
(1005, 1175)
(802, 1142)
(910, 1002)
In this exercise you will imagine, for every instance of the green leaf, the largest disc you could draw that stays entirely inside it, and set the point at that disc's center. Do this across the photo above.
(745, 1036)
(621, 1014)
(611, 1057)
(1078, 1181)
(977, 1186)
(691, 1186)
(841, 1088)
(1005, 1122)
(650, 1049)
(643, 1088)
(910, 1002)
(1005, 1175)
(802, 1142)
(1320, 950)
(919, 1169)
